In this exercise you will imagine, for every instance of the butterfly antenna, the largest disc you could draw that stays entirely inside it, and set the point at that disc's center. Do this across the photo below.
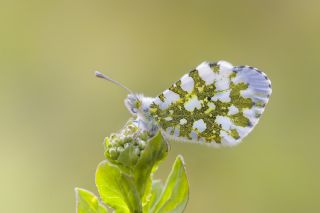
(100, 75)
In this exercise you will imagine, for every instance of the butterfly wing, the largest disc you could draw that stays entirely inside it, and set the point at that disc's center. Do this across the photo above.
(216, 103)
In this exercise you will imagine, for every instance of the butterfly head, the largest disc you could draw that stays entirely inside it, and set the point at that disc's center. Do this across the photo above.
(137, 103)
(133, 103)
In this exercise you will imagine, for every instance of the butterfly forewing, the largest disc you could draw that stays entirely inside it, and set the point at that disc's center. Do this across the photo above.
(215, 103)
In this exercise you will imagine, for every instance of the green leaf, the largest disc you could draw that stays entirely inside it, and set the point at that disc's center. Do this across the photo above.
(155, 151)
(117, 188)
(157, 188)
(175, 194)
(87, 202)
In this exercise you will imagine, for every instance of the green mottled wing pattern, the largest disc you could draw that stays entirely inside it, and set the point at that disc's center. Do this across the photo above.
(216, 103)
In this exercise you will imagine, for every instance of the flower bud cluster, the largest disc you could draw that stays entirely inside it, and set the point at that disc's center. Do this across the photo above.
(126, 146)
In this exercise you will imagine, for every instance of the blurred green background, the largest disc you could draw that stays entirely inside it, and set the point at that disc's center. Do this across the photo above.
(54, 114)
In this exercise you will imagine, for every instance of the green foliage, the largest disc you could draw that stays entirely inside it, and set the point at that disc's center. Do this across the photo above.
(174, 196)
(125, 179)
(88, 202)
(117, 188)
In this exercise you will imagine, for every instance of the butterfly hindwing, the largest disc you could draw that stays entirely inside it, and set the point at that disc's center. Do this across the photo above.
(215, 103)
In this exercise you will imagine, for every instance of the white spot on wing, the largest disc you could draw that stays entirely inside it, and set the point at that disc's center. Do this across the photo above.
(206, 73)
(233, 110)
(157, 100)
(225, 122)
(192, 104)
(183, 121)
(222, 84)
(247, 93)
(162, 105)
(253, 114)
(222, 96)
(225, 67)
(199, 125)
(168, 119)
(243, 131)
(227, 139)
(187, 83)
(249, 113)
(170, 96)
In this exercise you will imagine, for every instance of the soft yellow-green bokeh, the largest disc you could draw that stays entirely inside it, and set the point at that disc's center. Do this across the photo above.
(54, 113)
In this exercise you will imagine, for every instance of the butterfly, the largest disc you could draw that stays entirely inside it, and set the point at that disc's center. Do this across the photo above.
(216, 103)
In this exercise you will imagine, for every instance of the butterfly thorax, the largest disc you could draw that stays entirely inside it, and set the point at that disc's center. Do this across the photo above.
(139, 106)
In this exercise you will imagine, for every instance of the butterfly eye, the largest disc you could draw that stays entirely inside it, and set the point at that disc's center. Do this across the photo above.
(137, 104)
